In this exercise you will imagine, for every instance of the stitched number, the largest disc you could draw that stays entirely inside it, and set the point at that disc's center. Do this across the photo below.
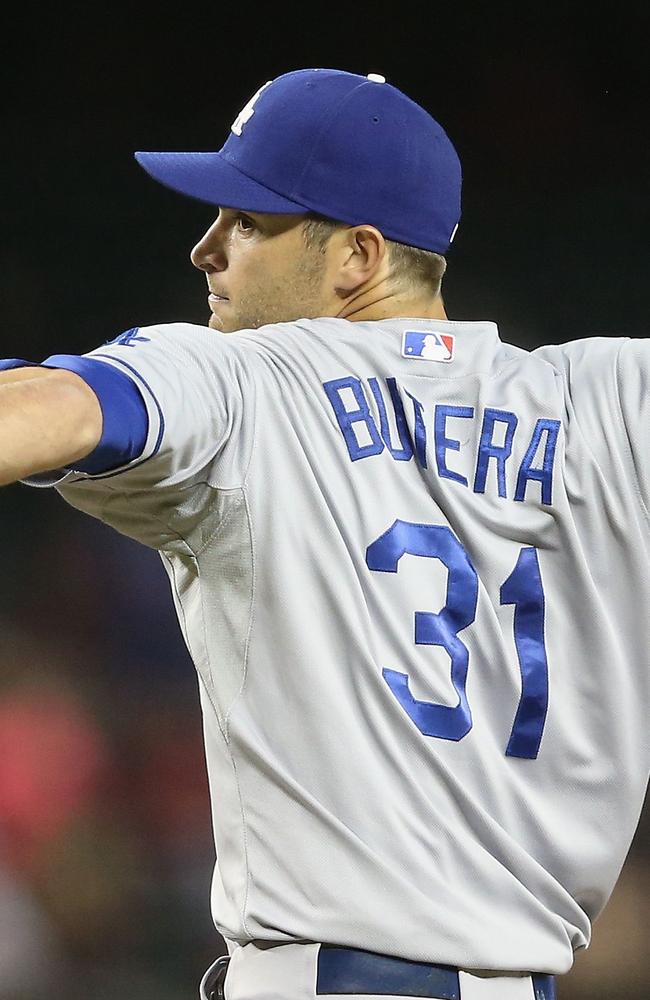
(523, 588)
(434, 542)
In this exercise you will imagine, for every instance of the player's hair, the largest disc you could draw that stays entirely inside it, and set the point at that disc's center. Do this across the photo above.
(419, 268)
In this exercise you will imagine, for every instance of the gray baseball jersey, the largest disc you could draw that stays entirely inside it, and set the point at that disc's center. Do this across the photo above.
(410, 563)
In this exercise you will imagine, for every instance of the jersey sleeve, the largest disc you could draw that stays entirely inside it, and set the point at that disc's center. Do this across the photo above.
(191, 433)
(607, 386)
(196, 411)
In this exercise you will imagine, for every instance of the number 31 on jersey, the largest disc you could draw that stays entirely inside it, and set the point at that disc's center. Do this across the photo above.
(523, 588)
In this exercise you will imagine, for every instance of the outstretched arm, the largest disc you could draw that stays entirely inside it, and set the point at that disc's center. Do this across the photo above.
(49, 418)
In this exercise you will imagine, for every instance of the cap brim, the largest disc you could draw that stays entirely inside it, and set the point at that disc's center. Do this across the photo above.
(211, 178)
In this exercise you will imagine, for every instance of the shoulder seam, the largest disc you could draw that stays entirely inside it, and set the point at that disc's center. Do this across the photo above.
(561, 374)
(251, 621)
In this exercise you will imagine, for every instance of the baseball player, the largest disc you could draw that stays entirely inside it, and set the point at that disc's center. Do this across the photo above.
(409, 561)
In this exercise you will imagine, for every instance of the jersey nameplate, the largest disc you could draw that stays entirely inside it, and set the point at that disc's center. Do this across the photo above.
(493, 436)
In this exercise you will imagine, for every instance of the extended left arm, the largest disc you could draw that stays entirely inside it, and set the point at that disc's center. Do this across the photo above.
(49, 418)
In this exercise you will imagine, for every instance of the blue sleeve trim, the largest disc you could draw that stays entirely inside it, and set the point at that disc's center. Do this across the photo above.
(161, 419)
(124, 412)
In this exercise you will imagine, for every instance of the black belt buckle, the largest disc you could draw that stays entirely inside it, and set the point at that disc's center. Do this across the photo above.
(212, 984)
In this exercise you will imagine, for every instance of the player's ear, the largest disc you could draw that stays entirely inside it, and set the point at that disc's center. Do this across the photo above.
(362, 254)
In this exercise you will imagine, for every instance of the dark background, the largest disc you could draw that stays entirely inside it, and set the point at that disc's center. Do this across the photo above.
(105, 842)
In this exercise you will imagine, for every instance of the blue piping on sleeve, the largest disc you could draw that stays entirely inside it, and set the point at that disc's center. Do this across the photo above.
(125, 420)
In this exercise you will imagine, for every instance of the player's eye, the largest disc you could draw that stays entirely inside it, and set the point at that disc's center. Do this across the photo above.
(244, 223)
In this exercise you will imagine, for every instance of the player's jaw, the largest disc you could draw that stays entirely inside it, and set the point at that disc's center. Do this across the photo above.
(286, 290)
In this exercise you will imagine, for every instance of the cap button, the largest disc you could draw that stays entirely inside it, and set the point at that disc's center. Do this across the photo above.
(376, 78)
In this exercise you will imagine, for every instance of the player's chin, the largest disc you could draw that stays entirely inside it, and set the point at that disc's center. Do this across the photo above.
(216, 323)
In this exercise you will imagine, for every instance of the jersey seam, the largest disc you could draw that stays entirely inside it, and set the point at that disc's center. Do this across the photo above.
(230, 710)
(206, 645)
(251, 617)
(585, 440)
(196, 553)
(230, 513)
(254, 441)
(240, 482)
(179, 604)
(621, 416)
(111, 491)
(223, 728)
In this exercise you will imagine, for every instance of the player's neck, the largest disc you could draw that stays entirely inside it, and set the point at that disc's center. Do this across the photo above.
(392, 306)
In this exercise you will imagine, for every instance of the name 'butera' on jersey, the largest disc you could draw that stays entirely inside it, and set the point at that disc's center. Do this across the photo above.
(363, 438)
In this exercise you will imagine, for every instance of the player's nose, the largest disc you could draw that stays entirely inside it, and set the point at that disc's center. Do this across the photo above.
(208, 254)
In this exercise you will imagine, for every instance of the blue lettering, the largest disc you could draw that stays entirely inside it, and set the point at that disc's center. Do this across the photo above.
(443, 443)
(347, 418)
(363, 437)
(405, 453)
(420, 431)
(544, 475)
(127, 338)
(487, 449)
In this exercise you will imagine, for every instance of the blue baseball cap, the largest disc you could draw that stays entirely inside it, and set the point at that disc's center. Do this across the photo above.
(349, 147)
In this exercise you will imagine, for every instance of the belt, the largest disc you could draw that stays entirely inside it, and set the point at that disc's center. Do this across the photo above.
(348, 970)
(352, 971)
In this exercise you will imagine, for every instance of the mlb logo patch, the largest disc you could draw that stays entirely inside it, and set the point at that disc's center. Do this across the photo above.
(428, 345)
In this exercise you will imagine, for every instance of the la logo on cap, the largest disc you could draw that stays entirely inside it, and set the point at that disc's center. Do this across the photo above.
(428, 345)
(248, 110)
